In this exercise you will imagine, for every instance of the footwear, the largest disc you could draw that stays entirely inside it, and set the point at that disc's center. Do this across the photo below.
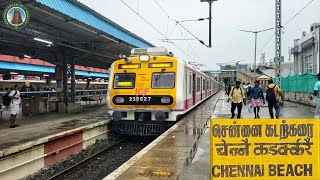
(258, 116)
(277, 117)
(12, 126)
(16, 125)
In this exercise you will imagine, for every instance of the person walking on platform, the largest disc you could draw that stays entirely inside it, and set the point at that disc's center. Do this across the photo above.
(316, 91)
(237, 97)
(255, 95)
(14, 105)
(229, 88)
(226, 88)
(248, 90)
(245, 89)
(273, 94)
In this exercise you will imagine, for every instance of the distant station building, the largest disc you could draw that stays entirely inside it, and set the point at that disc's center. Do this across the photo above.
(306, 51)
(215, 74)
(265, 71)
(228, 73)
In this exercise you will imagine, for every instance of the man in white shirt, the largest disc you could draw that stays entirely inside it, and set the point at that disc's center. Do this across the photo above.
(245, 88)
(14, 105)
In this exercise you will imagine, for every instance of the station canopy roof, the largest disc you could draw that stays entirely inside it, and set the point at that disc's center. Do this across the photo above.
(93, 39)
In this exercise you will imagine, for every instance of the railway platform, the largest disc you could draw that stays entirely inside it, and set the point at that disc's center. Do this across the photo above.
(165, 157)
(199, 169)
(47, 138)
(183, 152)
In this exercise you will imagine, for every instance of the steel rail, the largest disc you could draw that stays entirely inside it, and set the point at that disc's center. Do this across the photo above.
(82, 163)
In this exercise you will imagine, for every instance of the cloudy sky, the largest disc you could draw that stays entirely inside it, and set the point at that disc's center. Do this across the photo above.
(229, 17)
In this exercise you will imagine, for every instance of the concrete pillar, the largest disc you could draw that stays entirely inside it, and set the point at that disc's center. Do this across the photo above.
(65, 78)
(73, 81)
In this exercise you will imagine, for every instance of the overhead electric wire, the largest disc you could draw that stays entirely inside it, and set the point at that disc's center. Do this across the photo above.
(143, 18)
(194, 20)
(267, 43)
(155, 29)
(298, 13)
(287, 23)
(183, 39)
(189, 43)
(202, 42)
(173, 29)
(177, 22)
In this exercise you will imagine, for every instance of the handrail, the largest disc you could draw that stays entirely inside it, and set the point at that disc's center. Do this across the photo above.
(50, 92)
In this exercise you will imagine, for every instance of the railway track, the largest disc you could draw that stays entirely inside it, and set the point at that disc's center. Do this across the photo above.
(79, 165)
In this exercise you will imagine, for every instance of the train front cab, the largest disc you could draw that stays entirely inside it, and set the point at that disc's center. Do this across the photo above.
(142, 94)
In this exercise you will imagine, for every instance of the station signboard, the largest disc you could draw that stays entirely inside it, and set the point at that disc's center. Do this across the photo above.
(259, 149)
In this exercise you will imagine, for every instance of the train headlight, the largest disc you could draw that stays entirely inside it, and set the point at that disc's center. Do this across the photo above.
(165, 100)
(119, 100)
(144, 57)
(160, 65)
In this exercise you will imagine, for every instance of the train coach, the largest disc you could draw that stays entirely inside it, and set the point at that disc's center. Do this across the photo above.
(151, 89)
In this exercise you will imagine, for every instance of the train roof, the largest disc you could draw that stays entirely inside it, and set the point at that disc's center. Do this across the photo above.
(162, 51)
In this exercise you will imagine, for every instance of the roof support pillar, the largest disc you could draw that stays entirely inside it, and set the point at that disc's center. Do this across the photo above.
(65, 78)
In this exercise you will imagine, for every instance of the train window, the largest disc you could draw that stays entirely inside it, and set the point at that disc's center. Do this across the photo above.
(163, 80)
(124, 81)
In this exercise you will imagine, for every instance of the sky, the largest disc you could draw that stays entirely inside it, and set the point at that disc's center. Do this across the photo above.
(229, 44)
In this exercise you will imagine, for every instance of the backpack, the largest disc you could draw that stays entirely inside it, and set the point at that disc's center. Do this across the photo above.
(7, 99)
(270, 94)
(233, 90)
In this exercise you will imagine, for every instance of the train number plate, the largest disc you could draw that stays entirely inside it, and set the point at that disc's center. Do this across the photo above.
(140, 99)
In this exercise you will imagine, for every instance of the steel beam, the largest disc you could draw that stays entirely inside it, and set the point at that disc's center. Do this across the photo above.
(278, 42)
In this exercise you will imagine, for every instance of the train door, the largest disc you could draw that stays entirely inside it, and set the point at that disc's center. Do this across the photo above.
(201, 88)
(194, 86)
(186, 89)
(205, 88)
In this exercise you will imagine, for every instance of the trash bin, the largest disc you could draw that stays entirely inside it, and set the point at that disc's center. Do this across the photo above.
(43, 105)
(27, 104)
(30, 106)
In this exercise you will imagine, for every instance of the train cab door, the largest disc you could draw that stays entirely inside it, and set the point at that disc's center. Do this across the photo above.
(194, 86)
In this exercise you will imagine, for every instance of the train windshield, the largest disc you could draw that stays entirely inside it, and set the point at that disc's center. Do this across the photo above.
(163, 80)
(124, 81)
